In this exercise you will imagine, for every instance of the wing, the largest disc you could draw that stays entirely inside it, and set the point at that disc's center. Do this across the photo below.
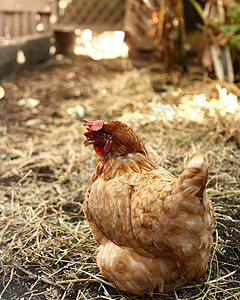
(108, 210)
(119, 209)
(174, 219)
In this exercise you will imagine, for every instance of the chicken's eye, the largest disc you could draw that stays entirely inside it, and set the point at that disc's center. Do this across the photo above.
(100, 134)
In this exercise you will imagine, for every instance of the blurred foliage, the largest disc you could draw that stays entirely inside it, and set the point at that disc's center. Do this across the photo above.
(232, 30)
(227, 32)
(197, 7)
(231, 27)
(232, 34)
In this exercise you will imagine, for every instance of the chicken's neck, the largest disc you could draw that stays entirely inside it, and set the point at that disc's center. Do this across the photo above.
(109, 166)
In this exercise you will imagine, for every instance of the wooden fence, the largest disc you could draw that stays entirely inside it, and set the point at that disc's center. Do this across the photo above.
(25, 17)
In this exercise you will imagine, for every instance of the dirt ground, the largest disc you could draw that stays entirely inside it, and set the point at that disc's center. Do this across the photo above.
(46, 248)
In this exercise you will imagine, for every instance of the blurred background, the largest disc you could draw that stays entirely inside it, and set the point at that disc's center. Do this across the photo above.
(179, 34)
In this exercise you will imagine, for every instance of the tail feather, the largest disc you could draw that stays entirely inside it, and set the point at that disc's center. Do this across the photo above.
(194, 177)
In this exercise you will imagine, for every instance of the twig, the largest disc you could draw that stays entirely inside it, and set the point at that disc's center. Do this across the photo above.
(211, 261)
(41, 278)
(19, 181)
(89, 274)
(75, 245)
(223, 277)
(6, 286)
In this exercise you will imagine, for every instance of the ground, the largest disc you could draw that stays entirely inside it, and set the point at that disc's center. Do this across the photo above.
(46, 248)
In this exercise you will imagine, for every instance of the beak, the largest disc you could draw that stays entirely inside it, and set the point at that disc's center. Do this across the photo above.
(88, 142)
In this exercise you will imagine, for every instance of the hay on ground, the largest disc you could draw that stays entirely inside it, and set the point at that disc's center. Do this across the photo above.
(46, 248)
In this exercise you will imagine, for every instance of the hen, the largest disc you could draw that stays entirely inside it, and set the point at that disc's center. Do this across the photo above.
(154, 230)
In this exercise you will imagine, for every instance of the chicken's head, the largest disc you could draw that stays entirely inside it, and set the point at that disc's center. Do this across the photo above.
(113, 136)
(100, 140)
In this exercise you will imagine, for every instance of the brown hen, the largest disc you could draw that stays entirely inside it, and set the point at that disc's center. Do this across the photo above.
(154, 231)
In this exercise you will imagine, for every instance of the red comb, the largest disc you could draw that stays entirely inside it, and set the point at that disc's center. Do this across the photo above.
(94, 125)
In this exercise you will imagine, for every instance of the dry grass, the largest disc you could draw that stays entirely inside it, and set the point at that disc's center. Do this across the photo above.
(46, 248)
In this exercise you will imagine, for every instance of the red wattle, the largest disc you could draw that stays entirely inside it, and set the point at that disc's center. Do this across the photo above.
(98, 149)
